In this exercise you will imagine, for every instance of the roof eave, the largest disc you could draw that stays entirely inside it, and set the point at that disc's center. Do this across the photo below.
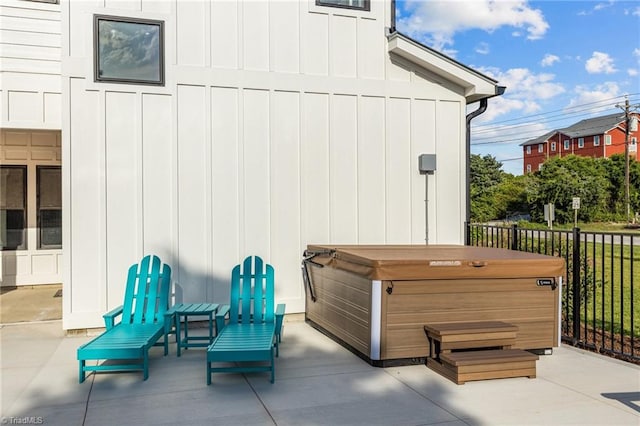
(476, 85)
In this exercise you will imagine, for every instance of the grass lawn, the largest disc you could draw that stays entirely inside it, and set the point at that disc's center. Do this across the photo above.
(613, 287)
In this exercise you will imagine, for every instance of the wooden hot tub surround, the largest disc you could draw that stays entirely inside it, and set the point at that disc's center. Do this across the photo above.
(376, 300)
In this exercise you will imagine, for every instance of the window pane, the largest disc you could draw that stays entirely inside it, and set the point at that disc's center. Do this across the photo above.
(50, 229)
(49, 207)
(129, 50)
(351, 4)
(50, 187)
(13, 187)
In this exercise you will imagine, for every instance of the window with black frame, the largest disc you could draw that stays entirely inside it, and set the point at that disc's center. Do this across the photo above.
(346, 4)
(49, 196)
(128, 50)
(13, 207)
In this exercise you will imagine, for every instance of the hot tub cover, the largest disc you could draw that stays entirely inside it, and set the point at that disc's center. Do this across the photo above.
(417, 262)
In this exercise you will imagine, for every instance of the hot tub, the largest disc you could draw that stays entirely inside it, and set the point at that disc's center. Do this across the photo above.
(376, 300)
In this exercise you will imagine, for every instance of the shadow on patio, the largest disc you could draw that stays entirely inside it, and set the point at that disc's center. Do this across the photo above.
(317, 382)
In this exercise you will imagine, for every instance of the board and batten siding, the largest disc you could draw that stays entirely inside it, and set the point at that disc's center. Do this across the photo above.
(281, 124)
(30, 122)
(30, 58)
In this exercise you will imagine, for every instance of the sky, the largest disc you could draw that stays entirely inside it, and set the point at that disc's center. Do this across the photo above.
(561, 61)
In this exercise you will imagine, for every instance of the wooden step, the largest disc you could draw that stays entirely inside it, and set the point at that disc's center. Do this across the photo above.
(445, 337)
(461, 367)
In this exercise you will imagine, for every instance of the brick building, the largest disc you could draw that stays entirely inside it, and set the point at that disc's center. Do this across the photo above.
(593, 137)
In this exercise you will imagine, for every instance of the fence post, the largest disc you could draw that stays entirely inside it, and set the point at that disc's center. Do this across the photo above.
(467, 227)
(514, 236)
(576, 285)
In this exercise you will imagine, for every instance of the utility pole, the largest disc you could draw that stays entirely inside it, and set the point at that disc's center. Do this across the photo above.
(627, 108)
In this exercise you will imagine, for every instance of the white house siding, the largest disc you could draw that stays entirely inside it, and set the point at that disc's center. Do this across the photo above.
(281, 124)
(30, 55)
(30, 121)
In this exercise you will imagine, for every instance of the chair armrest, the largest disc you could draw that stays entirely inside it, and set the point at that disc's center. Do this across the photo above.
(221, 316)
(109, 317)
(280, 308)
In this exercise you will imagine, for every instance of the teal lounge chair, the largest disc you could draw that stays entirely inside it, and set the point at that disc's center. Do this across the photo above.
(141, 325)
(254, 329)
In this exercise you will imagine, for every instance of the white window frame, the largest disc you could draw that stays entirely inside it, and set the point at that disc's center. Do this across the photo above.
(528, 149)
(567, 145)
(580, 142)
(596, 140)
(528, 168)
(540, 148)
(553, 146)
(607, 139)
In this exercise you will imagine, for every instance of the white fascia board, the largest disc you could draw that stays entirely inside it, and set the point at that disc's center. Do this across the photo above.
(476, 86)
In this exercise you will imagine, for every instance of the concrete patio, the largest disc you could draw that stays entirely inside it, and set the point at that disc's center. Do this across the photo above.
(318, 382)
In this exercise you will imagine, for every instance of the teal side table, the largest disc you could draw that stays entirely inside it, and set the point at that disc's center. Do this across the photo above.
(185, 310)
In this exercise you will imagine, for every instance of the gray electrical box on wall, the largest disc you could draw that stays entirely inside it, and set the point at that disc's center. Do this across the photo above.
(427, 163)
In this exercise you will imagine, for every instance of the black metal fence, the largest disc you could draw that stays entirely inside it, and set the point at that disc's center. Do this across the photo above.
(601, 291)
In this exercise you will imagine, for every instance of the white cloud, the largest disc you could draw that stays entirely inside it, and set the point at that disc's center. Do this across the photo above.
(601, 6)
(600, 63)
(436, 22)
(522, 83)
(483, 48)
(632, 72)
(525, 91)
(499, 107)
(596, 8)
(601, 93)
(636, 52)
(549, 60)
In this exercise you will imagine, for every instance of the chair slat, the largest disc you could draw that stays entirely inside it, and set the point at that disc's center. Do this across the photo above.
(235, 295)
(165, 290)
(129, 294)
(141, 290)
(154, 290)
(246, 283)
(258, 291)
(269, 300)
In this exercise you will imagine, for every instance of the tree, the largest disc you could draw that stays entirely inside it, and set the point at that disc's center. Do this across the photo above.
(486, 175)
(634, 186)
(561, 179)
(614, 172)
(511, 195)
